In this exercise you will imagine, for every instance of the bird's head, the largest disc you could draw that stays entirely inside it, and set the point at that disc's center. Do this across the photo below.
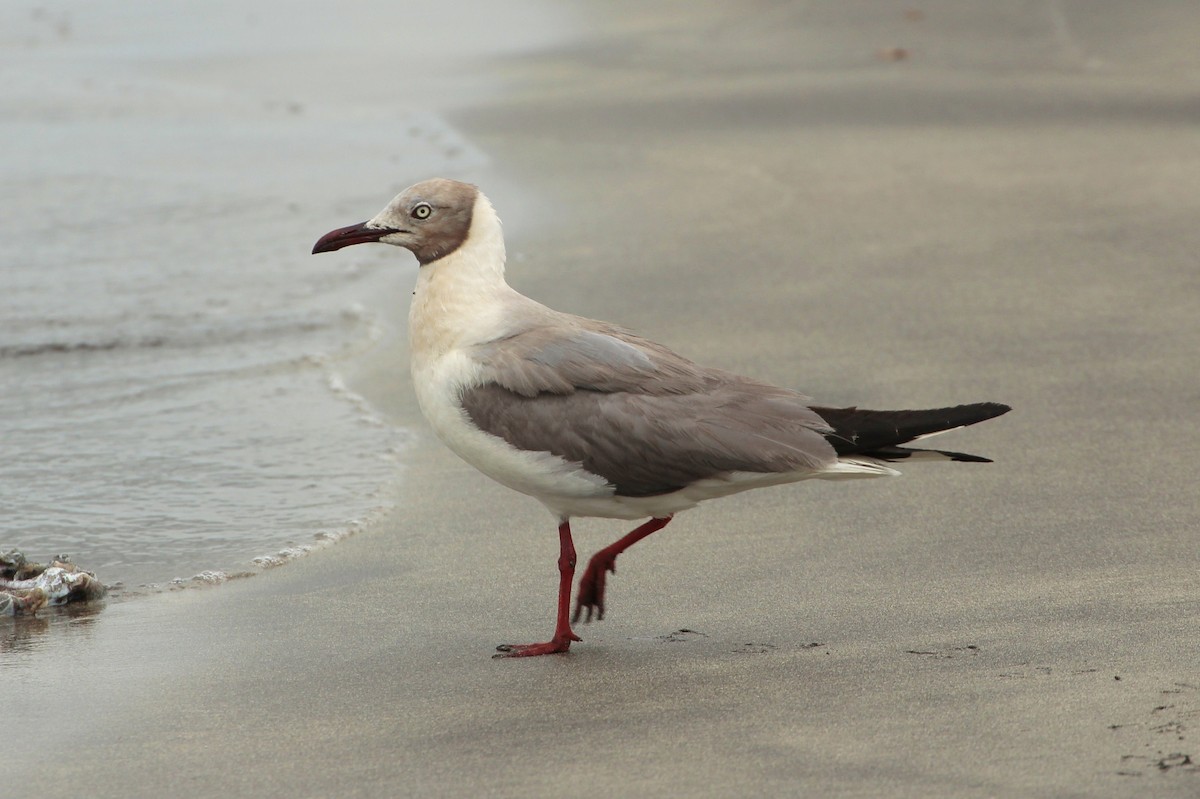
(432, 219)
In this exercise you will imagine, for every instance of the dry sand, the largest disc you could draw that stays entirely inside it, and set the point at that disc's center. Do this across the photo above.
(1008, 212)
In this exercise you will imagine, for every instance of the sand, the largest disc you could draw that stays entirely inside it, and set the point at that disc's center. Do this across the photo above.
(888, 204)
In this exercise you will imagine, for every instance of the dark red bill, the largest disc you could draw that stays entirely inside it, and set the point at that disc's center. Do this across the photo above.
(351, 234)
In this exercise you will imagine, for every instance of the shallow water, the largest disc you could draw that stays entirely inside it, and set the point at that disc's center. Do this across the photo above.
(170, 398)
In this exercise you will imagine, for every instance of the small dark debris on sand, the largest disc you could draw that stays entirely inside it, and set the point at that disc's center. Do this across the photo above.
(680, 635)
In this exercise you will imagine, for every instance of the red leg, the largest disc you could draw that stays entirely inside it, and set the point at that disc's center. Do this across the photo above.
(563, 635)
(591, 585)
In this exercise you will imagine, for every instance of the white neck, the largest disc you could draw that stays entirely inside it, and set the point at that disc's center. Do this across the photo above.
(459, 299)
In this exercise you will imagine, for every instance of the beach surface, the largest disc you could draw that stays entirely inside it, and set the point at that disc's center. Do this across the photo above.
(879, 204)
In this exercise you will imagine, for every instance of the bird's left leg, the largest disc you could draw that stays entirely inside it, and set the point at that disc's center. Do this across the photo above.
(591, 585)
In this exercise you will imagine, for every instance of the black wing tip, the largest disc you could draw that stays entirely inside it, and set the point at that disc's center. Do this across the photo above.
(971, 413)
(991, 409)
(859, 432)
(975, 412)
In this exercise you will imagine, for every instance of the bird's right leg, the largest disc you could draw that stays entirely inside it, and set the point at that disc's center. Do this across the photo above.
(563, 634)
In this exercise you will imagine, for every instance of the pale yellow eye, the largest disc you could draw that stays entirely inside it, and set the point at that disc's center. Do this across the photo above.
(422, 211)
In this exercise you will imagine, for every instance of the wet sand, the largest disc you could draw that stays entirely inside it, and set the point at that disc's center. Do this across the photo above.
(1007, 212)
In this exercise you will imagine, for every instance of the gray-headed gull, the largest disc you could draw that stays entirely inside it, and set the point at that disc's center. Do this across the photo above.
(591, 419)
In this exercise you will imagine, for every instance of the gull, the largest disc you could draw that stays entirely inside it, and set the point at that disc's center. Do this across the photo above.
(592, 419)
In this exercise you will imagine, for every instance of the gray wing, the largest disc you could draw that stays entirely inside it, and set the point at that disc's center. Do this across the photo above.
(646, 419)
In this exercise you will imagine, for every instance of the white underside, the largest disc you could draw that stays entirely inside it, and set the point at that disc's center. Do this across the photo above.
(618, 507)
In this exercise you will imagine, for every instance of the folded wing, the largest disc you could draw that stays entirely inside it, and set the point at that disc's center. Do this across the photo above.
(644, 418)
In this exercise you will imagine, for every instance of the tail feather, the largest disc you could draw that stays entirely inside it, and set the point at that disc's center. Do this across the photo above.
(880, 434)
